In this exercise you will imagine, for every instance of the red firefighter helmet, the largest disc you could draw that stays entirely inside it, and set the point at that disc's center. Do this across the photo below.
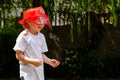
(36, 15)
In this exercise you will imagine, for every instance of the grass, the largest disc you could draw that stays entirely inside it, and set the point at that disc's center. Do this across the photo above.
(65, 79)
(84, 79)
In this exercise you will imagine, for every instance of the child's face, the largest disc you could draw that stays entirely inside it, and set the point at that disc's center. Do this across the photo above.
(35, 28)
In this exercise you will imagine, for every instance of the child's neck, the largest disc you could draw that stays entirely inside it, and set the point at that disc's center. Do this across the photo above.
(33, 32)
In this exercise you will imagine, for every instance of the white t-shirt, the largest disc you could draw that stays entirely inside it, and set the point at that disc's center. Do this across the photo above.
(33, 46)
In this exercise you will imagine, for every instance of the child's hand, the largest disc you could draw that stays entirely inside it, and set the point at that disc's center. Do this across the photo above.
(37, 62)
(54, 63)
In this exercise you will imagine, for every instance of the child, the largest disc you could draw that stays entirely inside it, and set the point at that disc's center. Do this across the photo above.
(31, 45)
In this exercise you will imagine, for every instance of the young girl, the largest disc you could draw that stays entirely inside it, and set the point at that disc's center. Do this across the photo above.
(31, 45)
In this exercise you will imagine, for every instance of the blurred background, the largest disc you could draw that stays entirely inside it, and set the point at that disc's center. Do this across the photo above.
(84, 37)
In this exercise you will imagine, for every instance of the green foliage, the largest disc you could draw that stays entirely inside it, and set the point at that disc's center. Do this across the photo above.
(72, 11)
(82, 63)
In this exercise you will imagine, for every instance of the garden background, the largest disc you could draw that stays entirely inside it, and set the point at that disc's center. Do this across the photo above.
(84, 37)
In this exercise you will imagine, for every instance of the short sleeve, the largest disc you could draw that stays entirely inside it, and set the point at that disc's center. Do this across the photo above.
(21, 44)
(44, 44)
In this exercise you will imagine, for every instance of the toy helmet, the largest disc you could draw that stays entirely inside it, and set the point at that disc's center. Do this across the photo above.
(36, 15)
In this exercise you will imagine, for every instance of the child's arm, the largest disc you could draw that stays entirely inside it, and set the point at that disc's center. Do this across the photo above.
(52, 62)
(20, 56)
